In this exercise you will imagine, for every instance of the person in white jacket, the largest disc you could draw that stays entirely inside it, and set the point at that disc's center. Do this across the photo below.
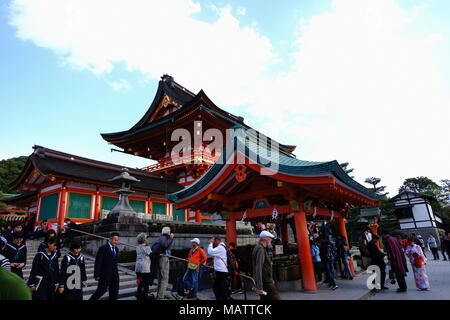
(218, 250)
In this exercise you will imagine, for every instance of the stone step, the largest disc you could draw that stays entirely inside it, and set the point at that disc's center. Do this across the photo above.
(122, 285)
(92, 282)
(90, 275)
(89, 269)
(127, 293)
(123, 293)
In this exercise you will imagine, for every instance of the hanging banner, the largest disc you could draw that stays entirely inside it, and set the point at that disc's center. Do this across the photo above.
(244, 216)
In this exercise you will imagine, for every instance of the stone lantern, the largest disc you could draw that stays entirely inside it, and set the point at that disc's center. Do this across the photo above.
(123, 208)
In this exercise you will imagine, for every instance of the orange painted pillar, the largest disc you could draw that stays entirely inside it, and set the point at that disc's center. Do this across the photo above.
(62, 206)
(97, 206)
(304, 252)
(284, 232)
(231, 231)
(198, 216)
(343, 233)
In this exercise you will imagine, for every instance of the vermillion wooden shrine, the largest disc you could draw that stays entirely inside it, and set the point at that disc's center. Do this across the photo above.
(303, 188)
(56, 185)
(204, 180)
(174, 107)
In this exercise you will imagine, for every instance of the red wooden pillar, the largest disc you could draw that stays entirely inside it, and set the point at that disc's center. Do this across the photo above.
(97, 206)
(231, 230)
(198, 216)
(304, 252)
(62, 206)
(343, 233)
(284, 232)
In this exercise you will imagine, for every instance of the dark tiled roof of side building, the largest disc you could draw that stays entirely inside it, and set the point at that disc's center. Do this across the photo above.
(49, 161)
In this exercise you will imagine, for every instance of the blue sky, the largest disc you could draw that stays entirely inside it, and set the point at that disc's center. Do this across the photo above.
(353, 80)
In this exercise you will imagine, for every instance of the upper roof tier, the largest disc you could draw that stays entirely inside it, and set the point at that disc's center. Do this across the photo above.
(171, 102)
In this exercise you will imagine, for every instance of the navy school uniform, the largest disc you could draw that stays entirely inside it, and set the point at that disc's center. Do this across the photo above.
(43, 245)
(48, 268)
(70, 260)
(16, 255)
(106, 269)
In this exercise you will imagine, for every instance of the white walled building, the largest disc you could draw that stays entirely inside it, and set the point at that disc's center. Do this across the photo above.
(415, 214)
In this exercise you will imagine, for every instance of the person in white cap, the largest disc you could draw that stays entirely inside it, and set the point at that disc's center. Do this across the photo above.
(196, 258)
(262, 268)
(218, 250)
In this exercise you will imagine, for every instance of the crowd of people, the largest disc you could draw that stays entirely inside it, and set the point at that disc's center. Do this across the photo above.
(51, 278)
(48, 278)
(398, 249)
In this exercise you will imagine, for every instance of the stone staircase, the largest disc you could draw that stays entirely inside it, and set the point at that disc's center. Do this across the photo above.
(127, 288)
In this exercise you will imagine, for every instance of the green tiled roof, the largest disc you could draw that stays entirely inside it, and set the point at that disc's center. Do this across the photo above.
(286, 164)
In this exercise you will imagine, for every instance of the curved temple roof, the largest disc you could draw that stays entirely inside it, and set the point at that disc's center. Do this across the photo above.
(283, 166)
(53, 162)
(188, 100)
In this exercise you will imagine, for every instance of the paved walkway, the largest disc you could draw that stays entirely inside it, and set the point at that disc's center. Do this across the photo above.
(348, 290)
(356, 289)
(439, 277)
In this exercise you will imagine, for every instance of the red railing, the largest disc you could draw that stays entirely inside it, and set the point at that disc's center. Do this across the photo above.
(196, 157)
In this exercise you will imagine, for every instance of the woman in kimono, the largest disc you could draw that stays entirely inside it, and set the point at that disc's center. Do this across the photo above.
(418, 260)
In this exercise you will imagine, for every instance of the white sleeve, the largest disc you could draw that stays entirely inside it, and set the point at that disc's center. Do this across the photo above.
(215, 251)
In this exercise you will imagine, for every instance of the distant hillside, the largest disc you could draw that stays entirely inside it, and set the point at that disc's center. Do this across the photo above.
(9, 171)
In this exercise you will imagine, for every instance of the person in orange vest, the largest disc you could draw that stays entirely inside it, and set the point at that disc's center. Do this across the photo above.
(196, 258)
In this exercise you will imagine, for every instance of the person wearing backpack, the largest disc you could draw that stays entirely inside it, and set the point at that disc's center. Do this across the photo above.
(196, 258)
(218, 250)
(328, 255)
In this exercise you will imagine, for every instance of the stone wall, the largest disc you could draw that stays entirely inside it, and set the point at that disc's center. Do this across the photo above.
(181, 241)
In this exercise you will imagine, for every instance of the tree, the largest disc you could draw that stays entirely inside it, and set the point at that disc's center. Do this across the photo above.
(377, 190)
(426, 186)
(421, 185)
(445, 185)
(10, 170)
(344, 167)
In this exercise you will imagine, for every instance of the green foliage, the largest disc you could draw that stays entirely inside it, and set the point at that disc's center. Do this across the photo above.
(445, 186)
(426, 186)
(378, 190)
(344, 167)
(10, 170)
(422, 185)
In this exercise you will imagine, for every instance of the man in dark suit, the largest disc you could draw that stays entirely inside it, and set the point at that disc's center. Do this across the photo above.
(105, 269)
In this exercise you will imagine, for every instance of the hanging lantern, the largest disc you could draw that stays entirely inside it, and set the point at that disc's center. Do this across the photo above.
(274, 213)
(241, 174)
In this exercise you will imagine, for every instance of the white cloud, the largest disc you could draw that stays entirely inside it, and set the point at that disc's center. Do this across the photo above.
(241, 11)
(119, 85)
(152, 37)
(364, 88)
